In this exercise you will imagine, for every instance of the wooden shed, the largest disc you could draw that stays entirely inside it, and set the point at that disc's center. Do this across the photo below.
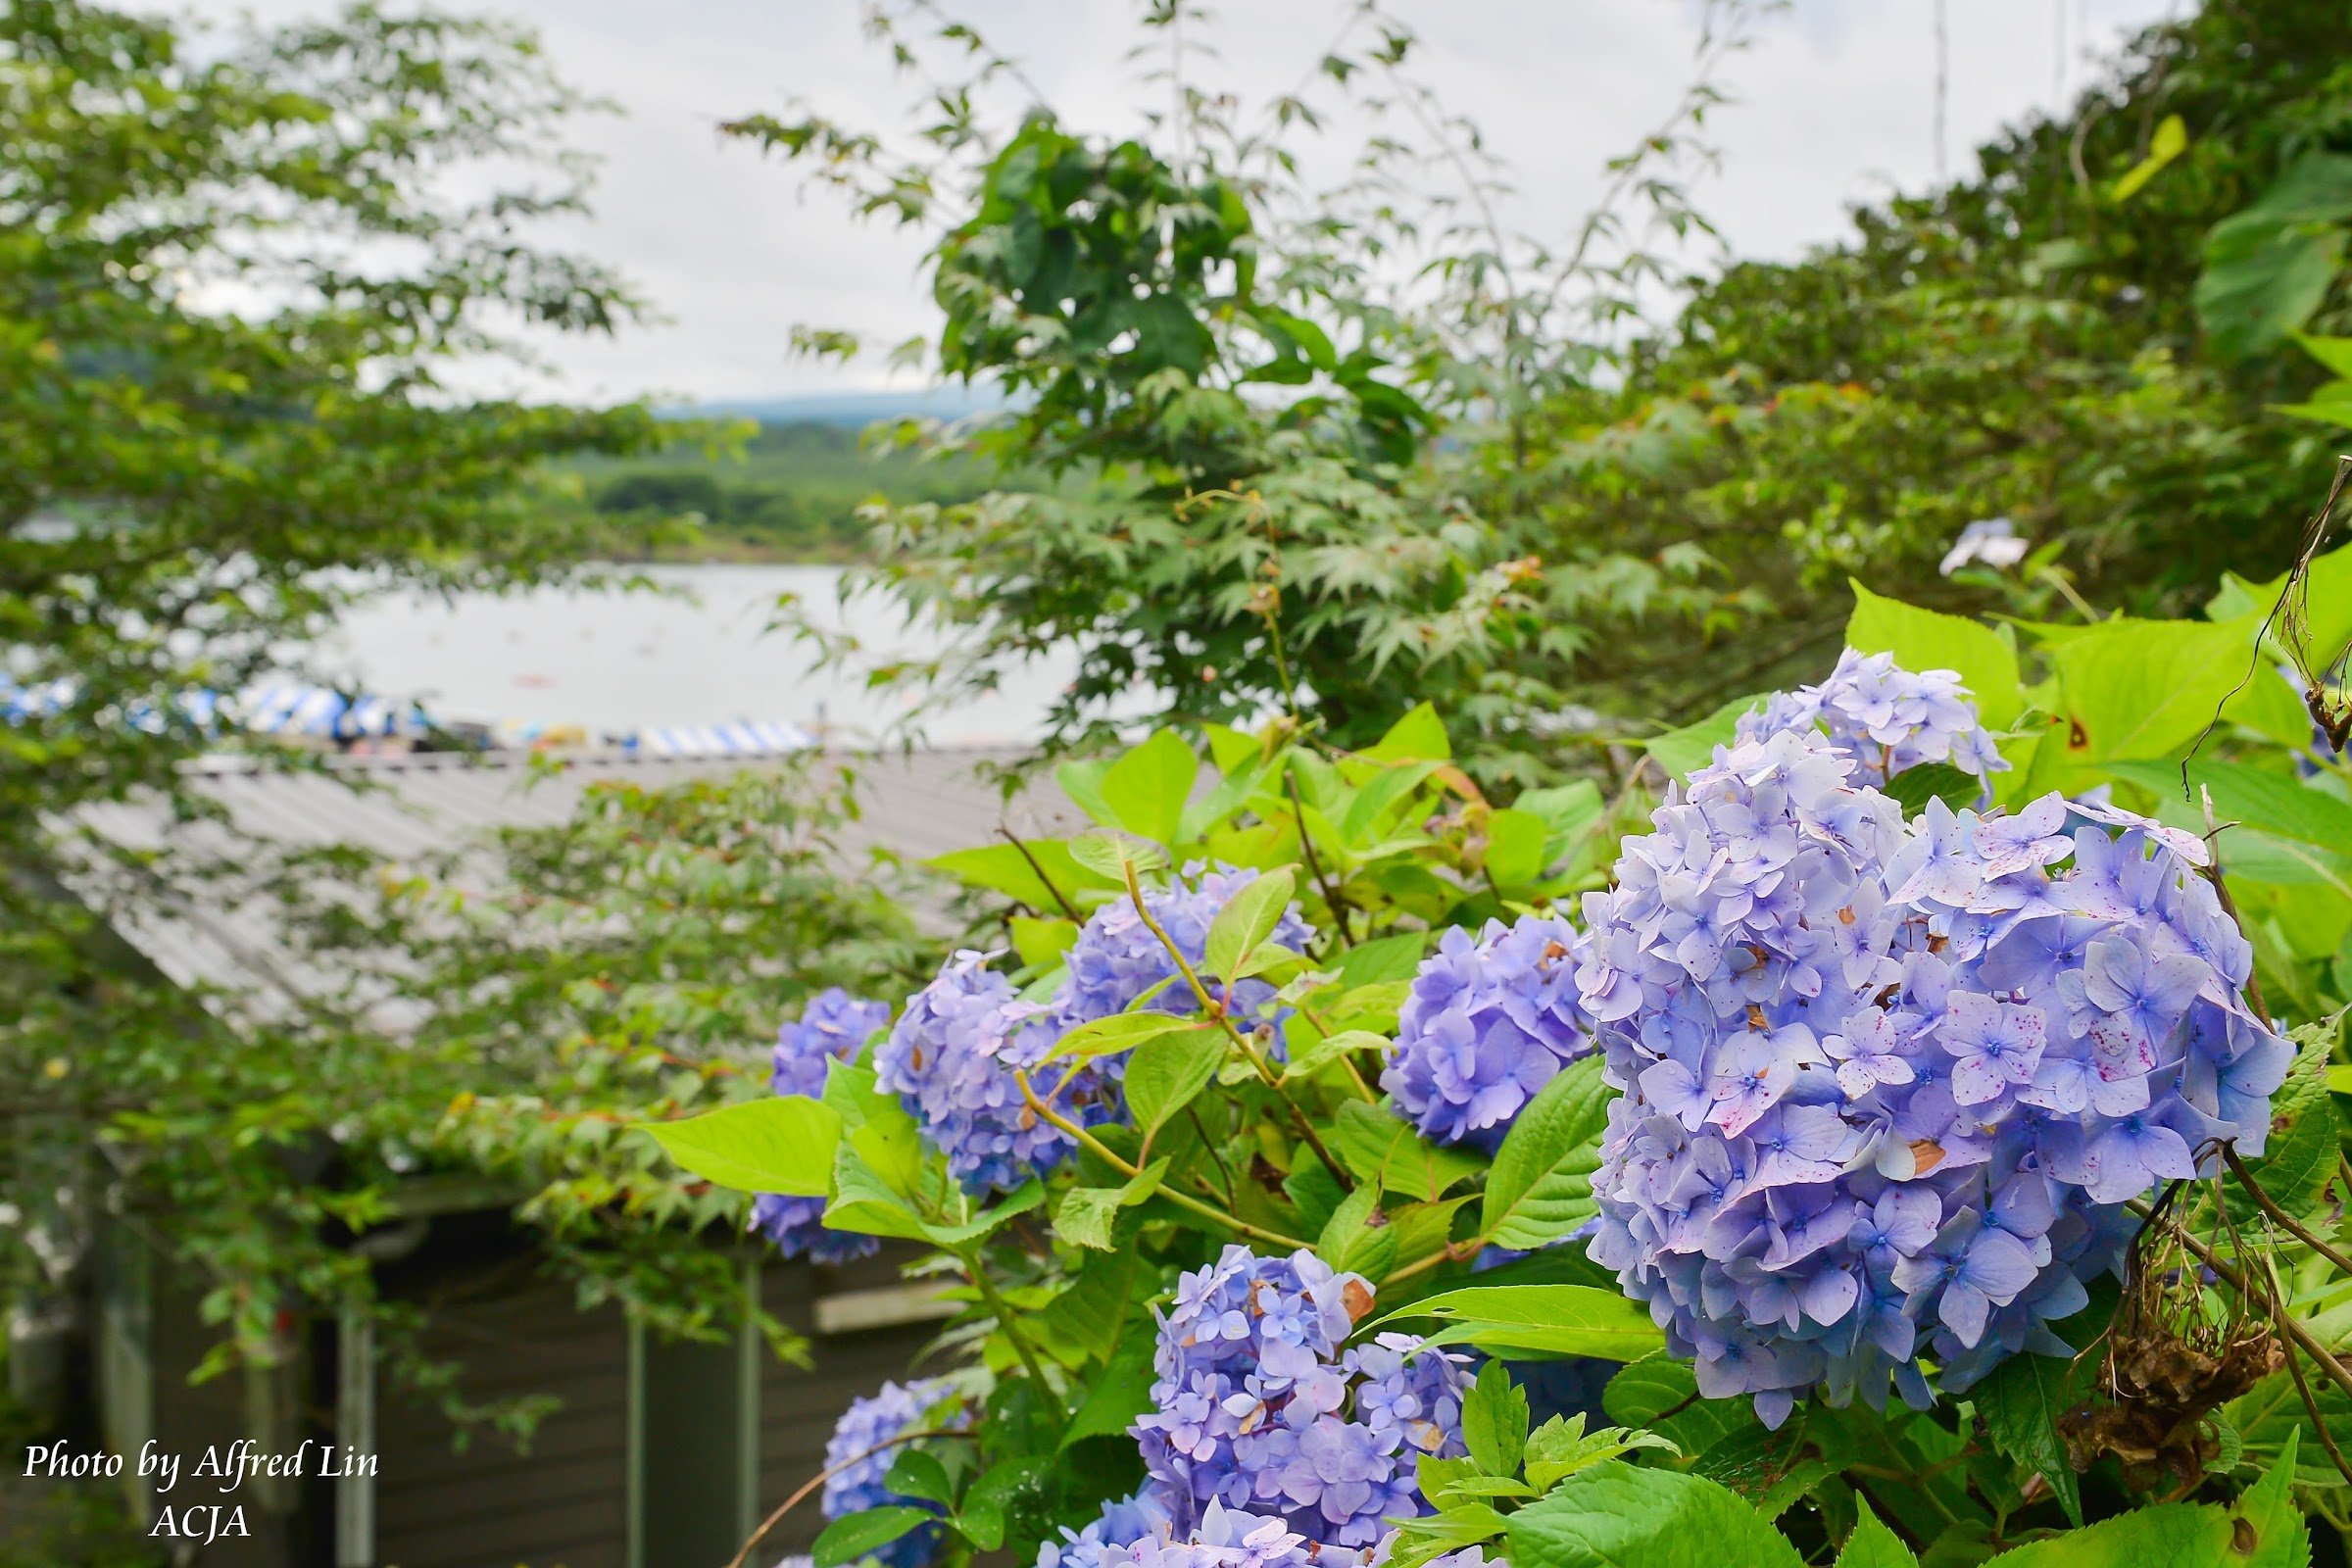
(656, 1455)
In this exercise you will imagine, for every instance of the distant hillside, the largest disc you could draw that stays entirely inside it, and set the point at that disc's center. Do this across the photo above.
(852, 409)
(794, 493)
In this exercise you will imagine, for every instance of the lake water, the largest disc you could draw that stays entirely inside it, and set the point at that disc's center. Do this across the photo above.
(698, 651)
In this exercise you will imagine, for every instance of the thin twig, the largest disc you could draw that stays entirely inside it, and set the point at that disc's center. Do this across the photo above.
(2294, 1370)
(1110, 1157)
(2280, 1217)
(1013, 839)
(1216, 1009)
(1314, 866)
(827, 1474)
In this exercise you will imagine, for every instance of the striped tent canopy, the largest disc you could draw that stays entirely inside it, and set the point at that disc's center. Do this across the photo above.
(744, 739)
(288, 707)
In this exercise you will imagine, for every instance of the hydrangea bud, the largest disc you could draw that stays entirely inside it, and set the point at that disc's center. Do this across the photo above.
(830, 1028)
(1490, 1021)
(1885, 719)
(1887, 1085)
(862, 1446)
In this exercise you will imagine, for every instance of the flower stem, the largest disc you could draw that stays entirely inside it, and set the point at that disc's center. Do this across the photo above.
(1216, 1009)
(977, 1268)
(1110, 1157)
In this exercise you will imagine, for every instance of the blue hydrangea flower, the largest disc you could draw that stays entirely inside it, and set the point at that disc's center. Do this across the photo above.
(950, 1060)
(1490, 1021)
(830, 1028)
(1117, 958)
(858, 1446)
(1258, 1406)
(952, 1056)
(1225, 1537)
(1887, 1085)
(1885, 719)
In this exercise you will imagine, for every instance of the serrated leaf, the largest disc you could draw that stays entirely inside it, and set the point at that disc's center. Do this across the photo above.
(1029, 1196)
(1644, 1393)
(1091, 1314)
(1248, 919)
(1921, 640)
(1495, 1421)
(863, 1203)
(1871, 1544)
(1086, 1214)
(2021, 1402)
(1307, 1060)
(1165, 1073)
(1120, 1393)
(1112, 855)
(1914, 787)
(1124, 1031)
(2169, 1534)
(1379, 1147)
(1147, 788)
(783, 1144)
(1542, 1320)
(2268, 1512)
(1359, 1238)
(1614, 1515)
(917, 1473)
(1540, 1186)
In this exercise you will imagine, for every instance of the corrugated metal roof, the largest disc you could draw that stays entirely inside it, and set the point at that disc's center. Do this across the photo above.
(220, 935)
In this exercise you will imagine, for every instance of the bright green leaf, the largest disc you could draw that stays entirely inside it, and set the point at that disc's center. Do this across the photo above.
(1419, 736)
(1921, 640)
(860, 1535)
(1164, 1074)
(1378, 1147)
(1495, 1421)
(1540, 1187)
(782, 1144)
(1616, 1516)
(1871, 1544)
(1248, 919)
(1515, 842)
(1147, 788)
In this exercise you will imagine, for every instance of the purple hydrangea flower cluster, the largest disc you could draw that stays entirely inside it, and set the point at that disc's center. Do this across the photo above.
(1257, 1405)
(1887, 1085)
(1226, 1538)
(951, 1055)
(1117, 958)
(951, 1060)
(1884, 718)
(857, 1445)
(1490, 1021)
(830, 1028)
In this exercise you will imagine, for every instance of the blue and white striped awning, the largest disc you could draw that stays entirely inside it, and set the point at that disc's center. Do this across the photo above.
(287, 708)
(744, 739)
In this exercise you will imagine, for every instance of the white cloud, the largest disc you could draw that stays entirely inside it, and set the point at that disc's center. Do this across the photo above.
(1834, 106)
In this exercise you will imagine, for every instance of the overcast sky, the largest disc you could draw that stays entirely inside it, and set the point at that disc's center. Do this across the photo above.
(1834, 105)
